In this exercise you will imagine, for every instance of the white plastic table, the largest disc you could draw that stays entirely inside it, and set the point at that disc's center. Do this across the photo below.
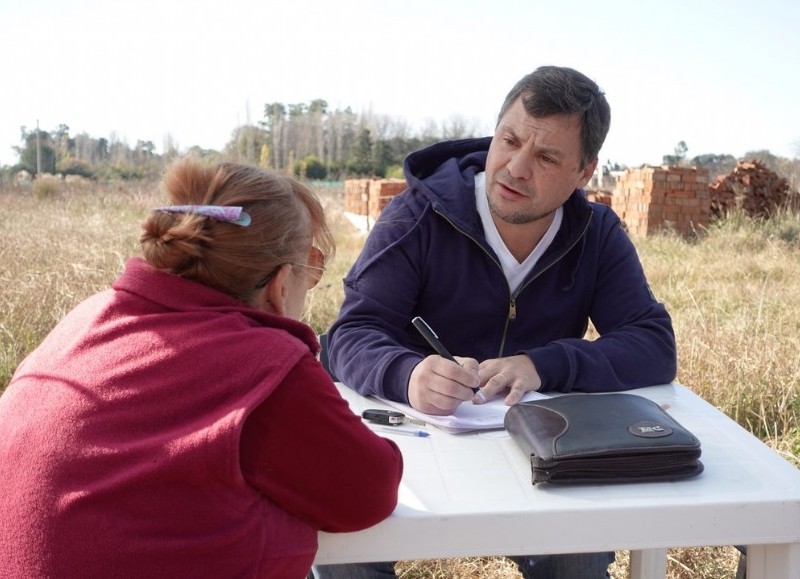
(468, 495)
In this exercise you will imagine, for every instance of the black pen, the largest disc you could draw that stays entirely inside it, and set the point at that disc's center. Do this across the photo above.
(431, 337)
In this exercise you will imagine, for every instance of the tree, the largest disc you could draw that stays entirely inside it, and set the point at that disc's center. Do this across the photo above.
(274, 121)
(381, 158)
(63, 145)
(361, 162)
(318, 111)
(145, 149)
(263, 157)
(677, 158)
(170, 147)
(716, 164)
(458, 127)
(32, 153)
(246, 144)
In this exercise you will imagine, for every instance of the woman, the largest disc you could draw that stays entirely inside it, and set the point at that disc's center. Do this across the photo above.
(179, 424)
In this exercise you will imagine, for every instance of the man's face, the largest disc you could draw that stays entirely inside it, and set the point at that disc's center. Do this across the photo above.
(533, 165)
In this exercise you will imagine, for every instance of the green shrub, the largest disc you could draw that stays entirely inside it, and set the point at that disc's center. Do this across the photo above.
(72, 166)
(310, 167)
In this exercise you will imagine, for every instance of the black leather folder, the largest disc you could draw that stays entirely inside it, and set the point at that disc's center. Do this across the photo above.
(602, 438)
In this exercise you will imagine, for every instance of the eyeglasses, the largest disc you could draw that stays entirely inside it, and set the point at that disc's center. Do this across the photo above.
(315, 268)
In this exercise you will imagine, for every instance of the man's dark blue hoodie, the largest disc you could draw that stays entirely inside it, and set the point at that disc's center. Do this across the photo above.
(427, 256)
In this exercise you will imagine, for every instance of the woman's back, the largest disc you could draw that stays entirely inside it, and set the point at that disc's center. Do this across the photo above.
(122, 439)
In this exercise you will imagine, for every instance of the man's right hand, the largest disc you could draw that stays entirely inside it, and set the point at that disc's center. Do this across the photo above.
(438, 385)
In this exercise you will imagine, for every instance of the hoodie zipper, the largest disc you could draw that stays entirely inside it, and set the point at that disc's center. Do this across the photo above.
(512, 306)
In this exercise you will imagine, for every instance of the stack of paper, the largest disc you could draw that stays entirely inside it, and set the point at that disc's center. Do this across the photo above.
(468, 416)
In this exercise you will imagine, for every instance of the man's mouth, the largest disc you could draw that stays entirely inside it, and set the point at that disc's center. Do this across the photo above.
(510, 192)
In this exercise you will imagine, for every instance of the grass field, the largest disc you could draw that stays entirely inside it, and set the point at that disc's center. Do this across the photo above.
(733, 295)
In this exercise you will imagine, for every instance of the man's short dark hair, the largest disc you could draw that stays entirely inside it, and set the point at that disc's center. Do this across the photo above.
(551, 90)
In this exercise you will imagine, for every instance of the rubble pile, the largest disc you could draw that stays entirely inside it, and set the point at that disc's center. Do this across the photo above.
(752, 187)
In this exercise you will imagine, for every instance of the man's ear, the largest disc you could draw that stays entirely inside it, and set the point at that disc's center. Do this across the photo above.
(586, 174)
(273, 296)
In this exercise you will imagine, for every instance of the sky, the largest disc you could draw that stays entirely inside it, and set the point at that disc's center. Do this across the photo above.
(721, 76)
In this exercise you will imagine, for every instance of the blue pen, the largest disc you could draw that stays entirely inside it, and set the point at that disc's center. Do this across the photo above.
(420, 433)
(431, 337)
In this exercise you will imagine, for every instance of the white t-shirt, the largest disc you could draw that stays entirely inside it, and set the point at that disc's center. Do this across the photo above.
(514, 271)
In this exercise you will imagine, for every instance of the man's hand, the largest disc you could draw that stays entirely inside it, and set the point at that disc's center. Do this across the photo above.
(516, 373)
(438, 386)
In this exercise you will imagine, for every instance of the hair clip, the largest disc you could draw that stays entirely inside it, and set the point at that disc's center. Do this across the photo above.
(220, 212)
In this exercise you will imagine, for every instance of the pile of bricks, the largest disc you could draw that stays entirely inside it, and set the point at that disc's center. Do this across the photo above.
(750, 187)
(649, 199)
(603, 197)
(356, 196)
(370, 196)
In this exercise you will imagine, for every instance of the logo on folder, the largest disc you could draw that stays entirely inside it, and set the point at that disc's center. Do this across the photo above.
(647, 429)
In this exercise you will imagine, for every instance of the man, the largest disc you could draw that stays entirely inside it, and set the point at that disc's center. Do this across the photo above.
(495, 245)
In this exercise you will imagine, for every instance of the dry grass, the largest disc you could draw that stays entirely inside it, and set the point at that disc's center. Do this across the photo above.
(732, 294)
(711, 563)
(735, 307)
(55, 251)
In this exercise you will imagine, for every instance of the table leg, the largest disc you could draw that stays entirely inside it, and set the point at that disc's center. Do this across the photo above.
(648, 564)
(773, 561)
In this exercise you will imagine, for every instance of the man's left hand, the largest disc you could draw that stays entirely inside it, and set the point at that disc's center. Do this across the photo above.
(514, 373)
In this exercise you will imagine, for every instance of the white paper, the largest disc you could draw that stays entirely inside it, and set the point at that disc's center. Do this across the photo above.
(468, 416)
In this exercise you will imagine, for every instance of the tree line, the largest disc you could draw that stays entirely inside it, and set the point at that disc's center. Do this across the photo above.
(56, 151)
(310, 140)
(307, 139)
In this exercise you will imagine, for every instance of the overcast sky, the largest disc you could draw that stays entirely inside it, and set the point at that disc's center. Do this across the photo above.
(723, 76)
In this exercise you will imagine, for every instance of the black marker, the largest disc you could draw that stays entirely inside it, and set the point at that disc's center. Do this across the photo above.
(431, 337)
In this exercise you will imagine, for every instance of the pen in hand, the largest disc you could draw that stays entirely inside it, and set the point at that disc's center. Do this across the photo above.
(431, 337)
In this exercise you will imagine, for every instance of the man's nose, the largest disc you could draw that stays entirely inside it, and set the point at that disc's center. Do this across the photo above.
(520, 166)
